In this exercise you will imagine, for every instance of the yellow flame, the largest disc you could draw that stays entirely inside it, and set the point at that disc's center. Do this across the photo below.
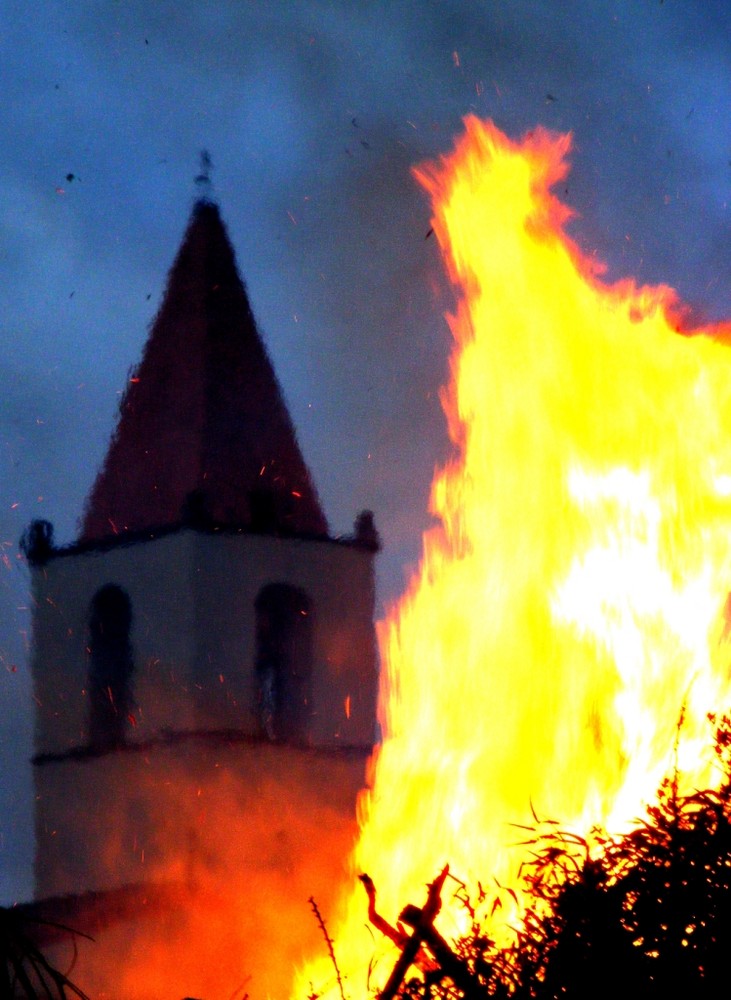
(570, 604)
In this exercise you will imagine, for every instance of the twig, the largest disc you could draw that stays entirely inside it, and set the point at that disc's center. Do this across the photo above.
(330, 946)
(379, 922)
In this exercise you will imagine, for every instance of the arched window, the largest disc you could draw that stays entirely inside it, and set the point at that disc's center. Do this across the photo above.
(110, 667)
(283, 661)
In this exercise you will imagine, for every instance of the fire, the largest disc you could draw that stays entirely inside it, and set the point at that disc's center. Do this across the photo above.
(570, 604)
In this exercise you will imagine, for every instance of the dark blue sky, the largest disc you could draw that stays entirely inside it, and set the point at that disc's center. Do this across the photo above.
(313, 113)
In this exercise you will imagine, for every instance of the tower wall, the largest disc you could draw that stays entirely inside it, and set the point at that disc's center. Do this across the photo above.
(101, 815)
(156, 576)
(193, 634)
(229, 572)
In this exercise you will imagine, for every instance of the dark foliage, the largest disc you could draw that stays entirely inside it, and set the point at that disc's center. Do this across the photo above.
(25, 973)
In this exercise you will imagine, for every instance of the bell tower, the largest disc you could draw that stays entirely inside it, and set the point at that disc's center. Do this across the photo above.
(205, 638)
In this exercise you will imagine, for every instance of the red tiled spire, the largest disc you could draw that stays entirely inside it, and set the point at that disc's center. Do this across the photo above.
(203, 430)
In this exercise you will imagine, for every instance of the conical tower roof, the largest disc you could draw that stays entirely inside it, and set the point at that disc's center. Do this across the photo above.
(203, 431)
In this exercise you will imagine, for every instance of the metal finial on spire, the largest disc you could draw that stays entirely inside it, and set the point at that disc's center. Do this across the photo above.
(203, 181)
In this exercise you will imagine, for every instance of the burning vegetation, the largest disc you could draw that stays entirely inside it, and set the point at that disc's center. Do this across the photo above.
(644, 914)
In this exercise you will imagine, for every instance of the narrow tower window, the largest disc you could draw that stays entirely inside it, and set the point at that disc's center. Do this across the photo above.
(283, 661)
(110, 667)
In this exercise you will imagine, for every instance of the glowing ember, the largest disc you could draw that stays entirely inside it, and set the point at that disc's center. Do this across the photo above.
(570, 604)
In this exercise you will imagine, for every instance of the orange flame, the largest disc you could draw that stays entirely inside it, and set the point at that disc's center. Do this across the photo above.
(570, 603)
